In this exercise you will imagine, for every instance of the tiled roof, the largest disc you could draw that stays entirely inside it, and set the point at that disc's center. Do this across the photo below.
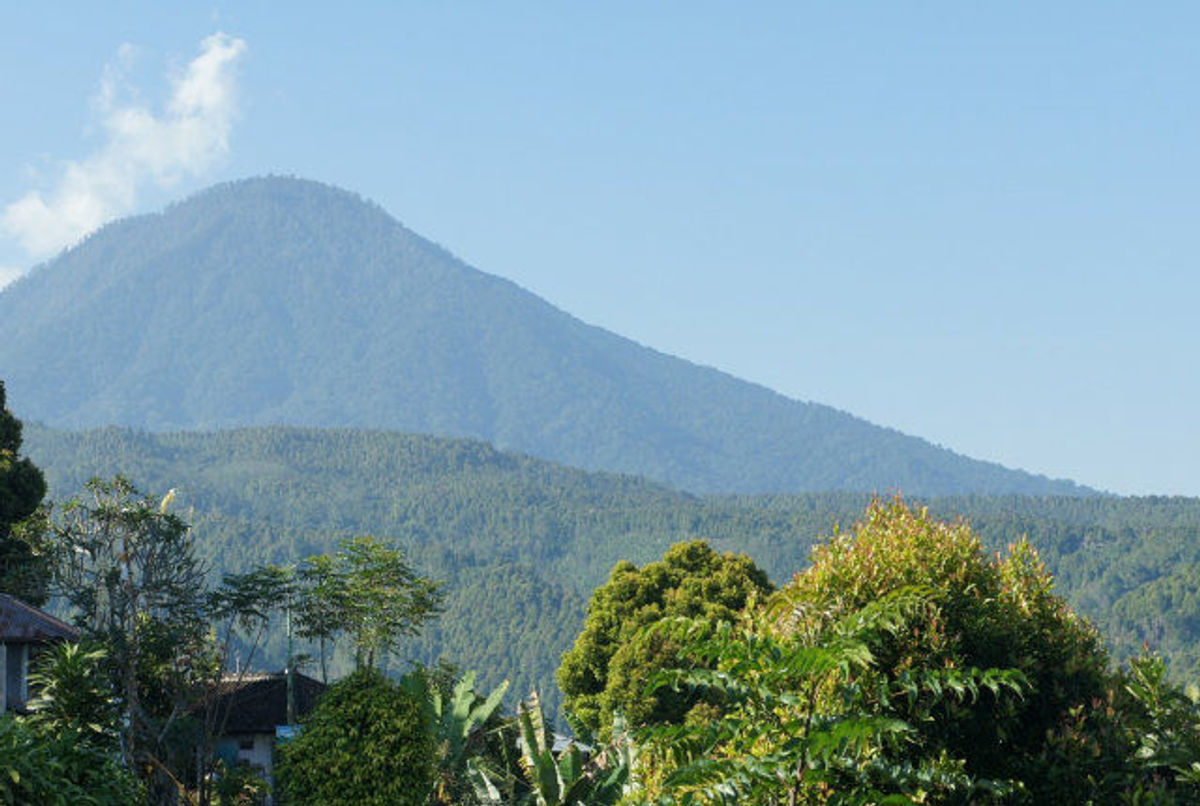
(24, 623)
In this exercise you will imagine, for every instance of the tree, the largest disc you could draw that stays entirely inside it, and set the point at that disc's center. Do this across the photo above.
(983, 612)
(128, 568)
(566, 779)
(22, 572)
(241, 610)
(365, 744)
(607, 671)
(368, 590)
(1164, 725)
(804, 718)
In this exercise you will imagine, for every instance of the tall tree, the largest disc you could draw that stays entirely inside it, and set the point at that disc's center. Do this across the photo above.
(129, 569)
(368, 590)
(22, 487)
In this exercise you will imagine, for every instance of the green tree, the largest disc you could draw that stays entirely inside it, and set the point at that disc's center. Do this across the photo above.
(22, 572)
(1162, 727)
(565, 778)
(805, 718)
(365, 744)
(983, 612)
(128, 568)
(607, 671)
(241, 610)
(368, 590)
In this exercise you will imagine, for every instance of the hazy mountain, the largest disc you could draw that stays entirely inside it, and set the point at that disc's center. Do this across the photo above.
(282, 301)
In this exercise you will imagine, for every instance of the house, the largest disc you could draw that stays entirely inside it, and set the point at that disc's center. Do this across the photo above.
(252, 715)
(24, 631)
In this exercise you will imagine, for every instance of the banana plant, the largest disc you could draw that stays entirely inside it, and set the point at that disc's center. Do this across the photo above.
(456, 724)
(567, 779)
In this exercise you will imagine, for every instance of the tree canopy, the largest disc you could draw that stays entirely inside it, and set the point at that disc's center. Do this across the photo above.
(22, 488)
(983, 611)
(607, 670)
(368, 590)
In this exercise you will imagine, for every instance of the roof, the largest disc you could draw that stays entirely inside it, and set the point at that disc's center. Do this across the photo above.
(258, 703)
(24, 623)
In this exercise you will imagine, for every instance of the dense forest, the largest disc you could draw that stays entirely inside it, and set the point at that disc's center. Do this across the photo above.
(522, 542)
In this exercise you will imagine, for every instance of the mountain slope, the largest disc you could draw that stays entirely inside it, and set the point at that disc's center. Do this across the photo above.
(283, 301)
(521, 542)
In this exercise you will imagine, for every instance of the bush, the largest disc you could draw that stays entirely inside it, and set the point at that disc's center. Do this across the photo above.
(364, 744)
(59, 768)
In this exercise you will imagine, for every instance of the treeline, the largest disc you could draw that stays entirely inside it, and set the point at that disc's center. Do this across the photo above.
(522, 542)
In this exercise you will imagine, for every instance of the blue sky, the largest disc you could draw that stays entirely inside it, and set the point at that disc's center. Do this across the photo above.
(977, 225)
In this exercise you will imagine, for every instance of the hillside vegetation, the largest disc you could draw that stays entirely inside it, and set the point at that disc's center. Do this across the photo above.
(522, 542)
(280, 301)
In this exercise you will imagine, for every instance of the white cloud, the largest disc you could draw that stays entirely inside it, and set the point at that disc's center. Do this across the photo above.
(141, 148)
(8, 274)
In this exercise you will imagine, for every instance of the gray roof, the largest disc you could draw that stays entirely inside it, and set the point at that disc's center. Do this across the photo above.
(24, 623)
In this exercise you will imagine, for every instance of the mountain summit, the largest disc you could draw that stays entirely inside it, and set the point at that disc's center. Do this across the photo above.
(286, 301)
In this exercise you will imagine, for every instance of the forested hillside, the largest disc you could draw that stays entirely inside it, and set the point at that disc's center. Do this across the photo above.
(281, 301)
(522, 542)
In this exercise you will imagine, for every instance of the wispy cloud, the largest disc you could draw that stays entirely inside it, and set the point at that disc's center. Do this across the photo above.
(140, 149)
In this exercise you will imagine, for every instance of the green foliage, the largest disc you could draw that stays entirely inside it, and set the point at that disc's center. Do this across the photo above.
(808, 717)
(983, 613)
(365, 744)
(606, 671)
(52, 766)
(521, 543)
(456, 723)
(1163, 724)
(368, 590)
(22, 486)
(243, 606)
(566, 779)
(74, 692)
(239, 785)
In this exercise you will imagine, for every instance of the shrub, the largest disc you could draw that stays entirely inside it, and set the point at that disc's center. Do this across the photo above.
(365, 744)
(59, 768)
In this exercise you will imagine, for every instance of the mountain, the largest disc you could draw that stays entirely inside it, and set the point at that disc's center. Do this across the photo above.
(521, 542)
(283, 301)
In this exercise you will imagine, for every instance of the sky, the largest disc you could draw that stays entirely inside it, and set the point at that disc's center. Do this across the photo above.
(974, 223)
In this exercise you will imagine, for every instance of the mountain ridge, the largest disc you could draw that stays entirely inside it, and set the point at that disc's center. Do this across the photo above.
(285, 301)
